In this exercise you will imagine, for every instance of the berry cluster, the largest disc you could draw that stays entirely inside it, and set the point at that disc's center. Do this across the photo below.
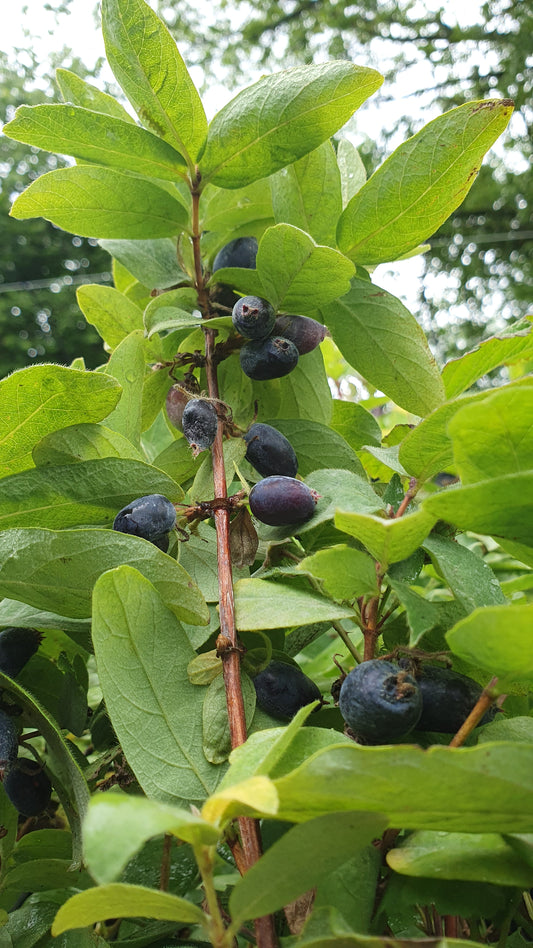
(279, 499)
(26, 784)
(382, 701)
(273, 346)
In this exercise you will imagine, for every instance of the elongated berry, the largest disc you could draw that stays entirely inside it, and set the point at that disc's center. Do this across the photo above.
(447, 699)
(269, 451)
(27, 786)
(279, 501)
(150, 517)
(199, 423)
(253, 317)
(306, 333)
(270, 358)
(240, 252)
(17, 645)
(283, 689)
(175, 406)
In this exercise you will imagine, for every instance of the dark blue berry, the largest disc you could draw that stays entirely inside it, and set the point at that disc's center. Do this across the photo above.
(279, 501)
(253, 317)
(240, 252)
(306, 333)
(269, 451)
(150, 517)
(199, 423)
(283, 689)
(269, 358)
(27, 786)
(16, 648)
(447, 699)
(380, 702)
(175, 405)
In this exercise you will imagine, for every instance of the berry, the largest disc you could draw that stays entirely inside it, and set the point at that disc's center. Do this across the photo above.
(380, 701)
(199, 424)
(283, 689)
(16, 648)
(9, 741)
(150, 517)
(269, 451)
(240, 252)
(27, 786)
(268, 358)
(306, 333)
(253, 317)
(280, 500)
(447, 699)
(175, 405)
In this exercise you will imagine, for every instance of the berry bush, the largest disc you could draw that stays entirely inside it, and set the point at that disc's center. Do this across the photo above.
(266, 663)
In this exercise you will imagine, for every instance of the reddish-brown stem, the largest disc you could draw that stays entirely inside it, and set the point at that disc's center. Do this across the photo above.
(249, 829)
(451, 926)
(410, 493)
(370, 629)
(480, 708)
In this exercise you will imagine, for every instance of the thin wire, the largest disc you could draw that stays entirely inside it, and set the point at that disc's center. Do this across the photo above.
(30, 285)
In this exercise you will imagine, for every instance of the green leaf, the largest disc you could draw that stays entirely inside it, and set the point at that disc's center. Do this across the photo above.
(117, 826)
(95, 137)
(215, 723)
(422, 615)
(469, 577)
(380, 338)
(90, 492)
(460, 374)
(356, 425)
(351, 889)
(120, 900)
(500, 507)
(497, 639)
(502, 419)
(156, 714)
(476, 789)
(127, 366)
(261, 604)
(223, 212)
(484, 857)
(56, 571)
(93, 201)
(300, 860)
(153, 262)
(308, 194)
(84, 442)
(388, 457)
(79, 92)
(199, 557)
(416, 189)
(68, 780)
(282, 118)
(317, 446)
(389, 541)
(352, 170)
(44, 398)
(304, 393)
(112, 314)
(344, 572)
(172, 310)
(298, 275)
(148, 66)
(427, 449)
(23, 616)
(41, 875)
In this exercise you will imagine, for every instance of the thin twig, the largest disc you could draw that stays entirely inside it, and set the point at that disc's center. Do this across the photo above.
(485, 701)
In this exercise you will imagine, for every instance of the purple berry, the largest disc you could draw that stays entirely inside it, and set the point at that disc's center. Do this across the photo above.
(175, 406)
(27, 786)
(380, 701)
(306, 333)
(150, 517)
(17, 645)
(279, 501)
(240, 252)
(283, 689)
